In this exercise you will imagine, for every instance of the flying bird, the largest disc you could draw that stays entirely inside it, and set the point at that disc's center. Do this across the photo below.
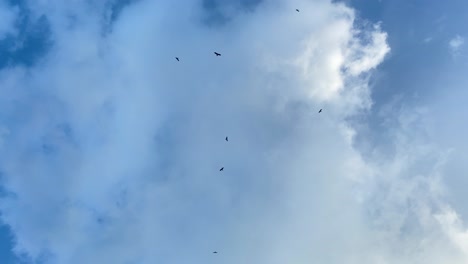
(217, 54)
(297, 10)
(227, 139)
(215, 252)
(177, 58)
(320, 111)
(221, 169)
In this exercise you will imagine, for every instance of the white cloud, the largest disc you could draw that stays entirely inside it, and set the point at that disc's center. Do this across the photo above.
(114, 147)
(453, 226)
(456, 44)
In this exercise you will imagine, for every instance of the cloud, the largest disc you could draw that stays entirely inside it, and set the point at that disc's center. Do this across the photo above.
(7, 20)
(456, 44)
(428, 39)
(111, 148)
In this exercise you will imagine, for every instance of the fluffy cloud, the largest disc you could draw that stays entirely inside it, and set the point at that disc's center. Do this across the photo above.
(111, 148)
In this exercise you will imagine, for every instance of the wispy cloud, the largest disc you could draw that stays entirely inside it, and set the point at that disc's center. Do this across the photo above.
(455, 44)
(428, 39)
(111, 148)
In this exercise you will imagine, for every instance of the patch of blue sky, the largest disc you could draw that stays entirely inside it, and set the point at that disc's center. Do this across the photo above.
(30, 44)
(6, 237)
(420, 63)
(214, 15)
(6, 240)
(419, 32)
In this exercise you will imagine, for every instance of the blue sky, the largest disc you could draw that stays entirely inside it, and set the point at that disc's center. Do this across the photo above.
(110, 149)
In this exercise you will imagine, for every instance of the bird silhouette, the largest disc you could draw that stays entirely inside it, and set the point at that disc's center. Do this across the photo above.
(297, 10)
(215, 252)
(221, 169)
(217, 54)
(177, 58)
(320, 111)
(227, 139)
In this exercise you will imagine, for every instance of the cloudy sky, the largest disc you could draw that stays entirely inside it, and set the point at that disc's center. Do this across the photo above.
(110, 148)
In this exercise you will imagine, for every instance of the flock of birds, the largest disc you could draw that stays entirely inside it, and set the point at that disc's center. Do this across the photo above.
(227, 139)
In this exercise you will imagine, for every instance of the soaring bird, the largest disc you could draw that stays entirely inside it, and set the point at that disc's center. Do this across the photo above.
(227, 139)
(215, 252)
(177, 58)
(217, 54)
(222, 168)
(297, 10)
(320, 111)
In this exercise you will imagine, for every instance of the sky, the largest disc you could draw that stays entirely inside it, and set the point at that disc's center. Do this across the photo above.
(110, 148)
